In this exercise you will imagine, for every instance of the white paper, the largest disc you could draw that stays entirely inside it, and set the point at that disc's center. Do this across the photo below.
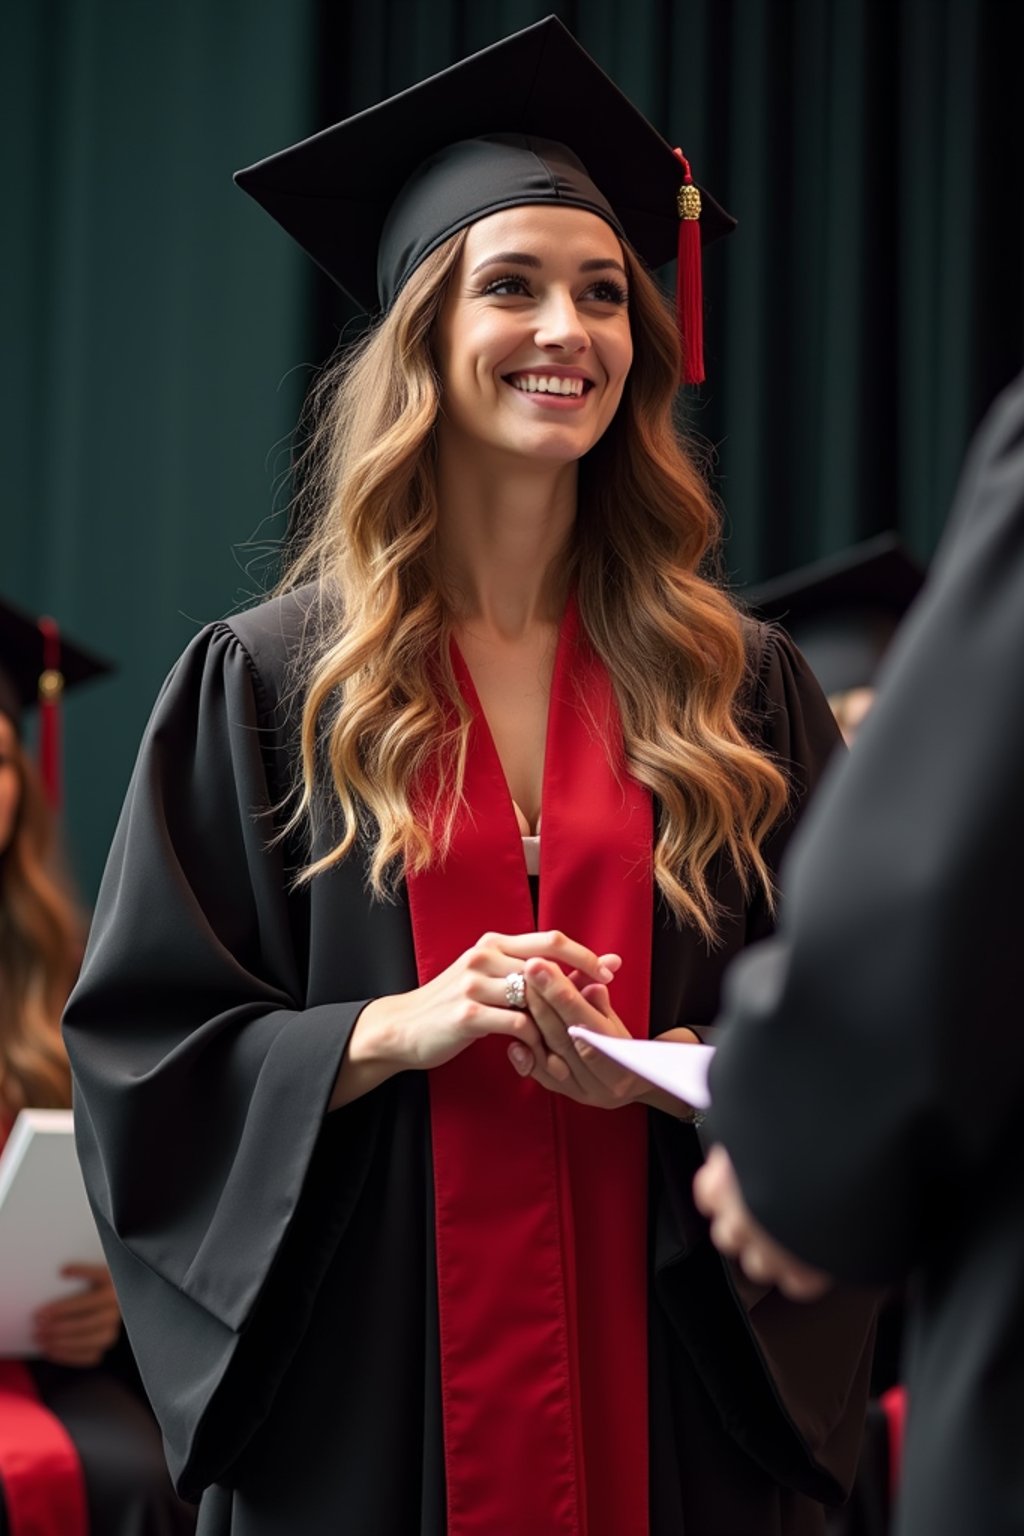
(45, 1222)
(670, 1064)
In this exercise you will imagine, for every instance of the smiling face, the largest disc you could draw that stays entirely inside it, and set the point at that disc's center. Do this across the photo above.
(10, 782)
(534, 345)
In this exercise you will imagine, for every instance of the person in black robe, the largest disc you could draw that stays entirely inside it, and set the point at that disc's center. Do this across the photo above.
(78, 1443)
(908, 1080)
(399, 1300)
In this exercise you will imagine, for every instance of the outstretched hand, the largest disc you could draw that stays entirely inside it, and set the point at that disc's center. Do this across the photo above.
(734, 1232)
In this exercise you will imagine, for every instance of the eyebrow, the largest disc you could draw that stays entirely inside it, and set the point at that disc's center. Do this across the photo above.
(523, 259)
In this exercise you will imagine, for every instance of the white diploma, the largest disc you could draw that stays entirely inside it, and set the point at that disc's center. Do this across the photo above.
(45, 1223)
(678, 1068)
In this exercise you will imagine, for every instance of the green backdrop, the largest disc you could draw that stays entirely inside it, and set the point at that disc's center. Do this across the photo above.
(159, 331)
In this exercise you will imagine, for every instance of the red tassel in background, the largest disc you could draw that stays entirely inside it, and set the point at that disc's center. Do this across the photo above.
(689, 281)
(51, 687)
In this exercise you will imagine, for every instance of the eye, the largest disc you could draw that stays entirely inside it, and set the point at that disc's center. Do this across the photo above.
(512, 285)
(607, 291)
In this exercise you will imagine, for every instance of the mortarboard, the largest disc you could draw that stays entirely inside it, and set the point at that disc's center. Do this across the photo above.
(531, 119)
(36, 664)
(843, 611)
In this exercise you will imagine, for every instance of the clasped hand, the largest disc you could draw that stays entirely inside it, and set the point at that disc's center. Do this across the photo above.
(566, 983)
(557, 1001)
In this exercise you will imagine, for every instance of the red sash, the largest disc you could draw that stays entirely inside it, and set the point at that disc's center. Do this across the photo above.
(541, 1204)
(42, 1479)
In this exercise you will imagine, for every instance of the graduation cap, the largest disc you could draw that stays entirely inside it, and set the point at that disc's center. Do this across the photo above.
(36, 664)
(843, 611)
(531, 119)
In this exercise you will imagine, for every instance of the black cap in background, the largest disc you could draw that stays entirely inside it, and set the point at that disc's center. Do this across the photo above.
(842, 611)
(25, 662)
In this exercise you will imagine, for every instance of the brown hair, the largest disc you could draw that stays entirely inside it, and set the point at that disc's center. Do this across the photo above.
(379, 698)
(40, 949)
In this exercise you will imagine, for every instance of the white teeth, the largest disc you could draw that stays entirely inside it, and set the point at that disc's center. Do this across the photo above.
(546, 384)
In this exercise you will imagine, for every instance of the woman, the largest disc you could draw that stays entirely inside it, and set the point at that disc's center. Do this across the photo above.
(78, 1451)
(396, 1256)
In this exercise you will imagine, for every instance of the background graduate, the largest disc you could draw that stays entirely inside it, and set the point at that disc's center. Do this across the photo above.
(908, 1080)
(392, 1253)
(79, 1451)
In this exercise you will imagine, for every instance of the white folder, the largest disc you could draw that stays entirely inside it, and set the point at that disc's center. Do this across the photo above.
(45, 1222)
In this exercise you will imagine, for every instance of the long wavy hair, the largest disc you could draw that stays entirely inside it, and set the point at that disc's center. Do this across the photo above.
(380, 701)
(41, 936)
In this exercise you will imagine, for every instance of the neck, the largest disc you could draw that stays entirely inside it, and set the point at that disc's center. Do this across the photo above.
(502, 541)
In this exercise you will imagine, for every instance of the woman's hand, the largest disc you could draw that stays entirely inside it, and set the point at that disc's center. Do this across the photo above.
(78, 1330)
(572, 1067)
(432, 1024)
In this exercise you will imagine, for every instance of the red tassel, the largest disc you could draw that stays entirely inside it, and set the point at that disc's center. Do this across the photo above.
(51, 687)
(689, 282)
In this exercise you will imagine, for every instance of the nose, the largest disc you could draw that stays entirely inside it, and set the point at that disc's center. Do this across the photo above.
(560, 326)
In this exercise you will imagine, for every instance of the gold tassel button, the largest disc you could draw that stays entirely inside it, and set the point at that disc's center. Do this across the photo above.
(51, 683)
(688, 201)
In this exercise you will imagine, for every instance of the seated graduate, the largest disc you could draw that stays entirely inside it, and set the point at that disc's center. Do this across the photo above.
(79, 1450)
(418, 1265)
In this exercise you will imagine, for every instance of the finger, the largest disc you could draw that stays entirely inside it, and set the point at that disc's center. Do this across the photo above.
(611, 962)
(554, 1075)
(560, 1045)
(725, 1236)
(78, 1357)
(595, 1075)
(551, 945)
(105, 1326)
(599, 998)
(757, 1265)
(804, 1284)
(96, 1274)
(709, 1181)
(93, 1340)
(542, 1064)
(82, 1304)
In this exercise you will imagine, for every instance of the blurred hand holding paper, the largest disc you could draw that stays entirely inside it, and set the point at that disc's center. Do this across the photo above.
(680, 1069)
(45, 1222)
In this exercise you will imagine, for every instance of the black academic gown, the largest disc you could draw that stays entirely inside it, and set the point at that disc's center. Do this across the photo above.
(882, 1028)
(276, 1263)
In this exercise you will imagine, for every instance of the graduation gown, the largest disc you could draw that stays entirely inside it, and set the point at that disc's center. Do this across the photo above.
(882, 1026)
(276, 1263)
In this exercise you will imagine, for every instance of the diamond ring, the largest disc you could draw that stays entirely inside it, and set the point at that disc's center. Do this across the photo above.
(515, 989)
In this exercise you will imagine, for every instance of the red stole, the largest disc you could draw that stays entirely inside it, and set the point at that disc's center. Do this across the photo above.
(42, 1479)
(541, 1204)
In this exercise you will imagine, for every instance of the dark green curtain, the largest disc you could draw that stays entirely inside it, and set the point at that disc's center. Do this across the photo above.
(160, 331)
(153, 325)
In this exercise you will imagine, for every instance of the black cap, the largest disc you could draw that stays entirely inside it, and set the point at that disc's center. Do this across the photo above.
(529, 120)
(28, 652)
(843, 611)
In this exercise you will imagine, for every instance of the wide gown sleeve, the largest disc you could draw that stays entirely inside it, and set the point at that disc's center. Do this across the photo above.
(201, 1079)
(872, 1059)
